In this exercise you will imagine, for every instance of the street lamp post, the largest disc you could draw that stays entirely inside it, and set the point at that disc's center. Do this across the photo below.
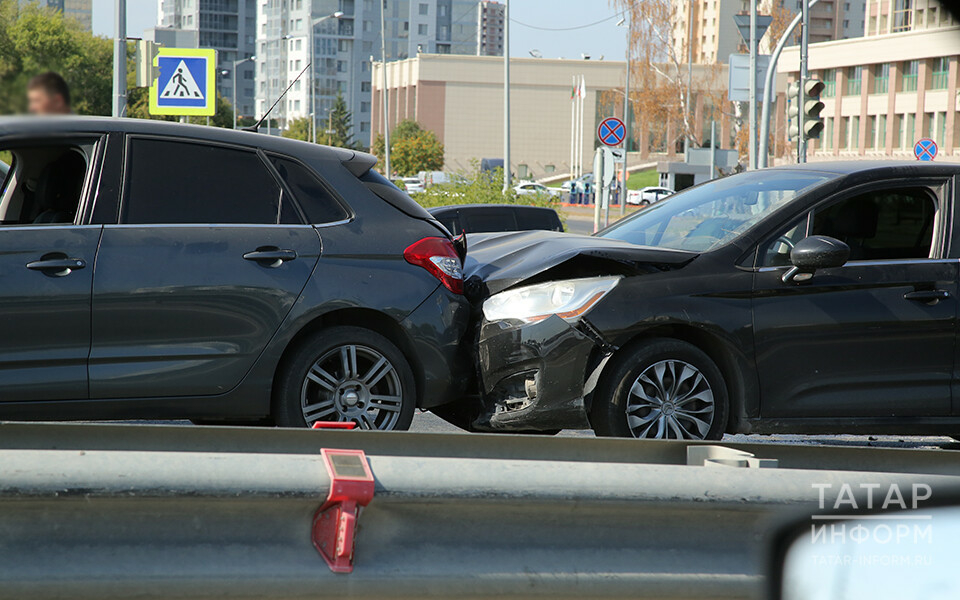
(385, 106)
(237, 63)
(313, 93)
(628, 22)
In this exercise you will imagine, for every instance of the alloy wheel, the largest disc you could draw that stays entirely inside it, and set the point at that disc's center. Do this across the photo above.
(353, 383)
(671, 399)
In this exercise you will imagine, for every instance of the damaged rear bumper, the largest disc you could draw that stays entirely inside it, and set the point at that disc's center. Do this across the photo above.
(534, 377)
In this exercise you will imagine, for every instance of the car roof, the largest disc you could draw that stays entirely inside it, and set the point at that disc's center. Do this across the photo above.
(356, 162)
(850, 167)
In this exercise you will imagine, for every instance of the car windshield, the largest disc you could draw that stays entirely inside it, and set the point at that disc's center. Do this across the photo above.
(713, 214)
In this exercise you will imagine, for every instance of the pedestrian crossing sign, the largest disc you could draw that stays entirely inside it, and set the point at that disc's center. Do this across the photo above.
(187, 83)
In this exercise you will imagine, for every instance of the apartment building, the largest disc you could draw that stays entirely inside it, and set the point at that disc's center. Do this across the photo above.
(344, 48)
(886, 90)
(714, 35)
(490, 26)
(229, 27)
(78, 10)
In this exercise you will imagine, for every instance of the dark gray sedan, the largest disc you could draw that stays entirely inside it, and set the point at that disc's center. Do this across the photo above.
(166, 271)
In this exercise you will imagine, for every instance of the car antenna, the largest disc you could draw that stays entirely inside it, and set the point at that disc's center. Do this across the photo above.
(256, 128)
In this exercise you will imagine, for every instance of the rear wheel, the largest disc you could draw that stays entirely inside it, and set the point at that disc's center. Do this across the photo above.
(661, 389)
(346, 374)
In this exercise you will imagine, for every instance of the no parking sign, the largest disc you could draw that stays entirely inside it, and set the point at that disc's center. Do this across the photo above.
(925, 149)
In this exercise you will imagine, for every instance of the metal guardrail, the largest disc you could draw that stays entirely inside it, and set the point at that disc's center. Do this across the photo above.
(163, 512)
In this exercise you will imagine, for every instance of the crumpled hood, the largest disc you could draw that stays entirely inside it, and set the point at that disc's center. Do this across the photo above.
(497, 261)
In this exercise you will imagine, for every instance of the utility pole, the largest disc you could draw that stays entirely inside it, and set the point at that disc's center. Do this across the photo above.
(752, 146)
(384, 91)
(120, 59)
(506, 96)
(801, 95)
(626, 115)
(686, 138)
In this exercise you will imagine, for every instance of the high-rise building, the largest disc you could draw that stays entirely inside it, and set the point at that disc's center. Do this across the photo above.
(490, 25)
(79, 10)
(714, 35)
(344, 48)
(229, 27)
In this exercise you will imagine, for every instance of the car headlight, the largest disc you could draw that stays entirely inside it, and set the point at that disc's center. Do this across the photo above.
(569, 299)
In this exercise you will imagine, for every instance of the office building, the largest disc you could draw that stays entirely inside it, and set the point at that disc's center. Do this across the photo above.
(888, 89)
(229, 27)
(344, 48)
(714, 36)
(78, 10)
(490, 26)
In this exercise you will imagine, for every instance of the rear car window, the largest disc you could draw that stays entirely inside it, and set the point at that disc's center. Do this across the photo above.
(316, 200)
(172, 182)
(537, 218)
(393, 195)
(482, 220)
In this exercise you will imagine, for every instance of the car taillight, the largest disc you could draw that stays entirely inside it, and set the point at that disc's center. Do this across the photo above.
(437, 256)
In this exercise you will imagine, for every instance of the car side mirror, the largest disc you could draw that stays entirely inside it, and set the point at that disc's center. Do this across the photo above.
(815, 252)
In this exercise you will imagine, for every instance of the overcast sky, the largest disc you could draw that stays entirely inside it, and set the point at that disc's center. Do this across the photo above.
(604, 38)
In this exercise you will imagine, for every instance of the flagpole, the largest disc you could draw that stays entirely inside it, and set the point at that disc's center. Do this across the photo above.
(583, 97)
(573, 128)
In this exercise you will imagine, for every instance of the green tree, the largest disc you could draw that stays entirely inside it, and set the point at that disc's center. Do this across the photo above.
(34, 40)
(412, 149)
(333, 131)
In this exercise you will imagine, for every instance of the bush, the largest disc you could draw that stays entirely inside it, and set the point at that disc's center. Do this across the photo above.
(482, 188)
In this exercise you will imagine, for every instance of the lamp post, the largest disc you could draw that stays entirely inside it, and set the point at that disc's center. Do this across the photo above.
(313, 94)
(237, 63)
(385, 105)
(627, 22)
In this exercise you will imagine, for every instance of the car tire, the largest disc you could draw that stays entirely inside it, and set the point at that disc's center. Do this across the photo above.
(346, 374)
(659, 409)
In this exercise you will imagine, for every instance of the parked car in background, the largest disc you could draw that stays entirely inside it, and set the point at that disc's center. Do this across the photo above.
(479, 218)
(165, 271)
(535, 189)
(413, 185)
(648, 195)
(817, 298)
(585, 179)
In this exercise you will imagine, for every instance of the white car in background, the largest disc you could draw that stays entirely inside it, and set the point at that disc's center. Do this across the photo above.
(534, 189)
(413, 185)
(648, 195)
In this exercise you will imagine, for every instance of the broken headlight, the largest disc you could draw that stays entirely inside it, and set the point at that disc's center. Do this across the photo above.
(569, 299)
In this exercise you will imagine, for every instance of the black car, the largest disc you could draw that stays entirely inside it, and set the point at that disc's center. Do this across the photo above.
(487, 218)
(166, 271)
(809, 299)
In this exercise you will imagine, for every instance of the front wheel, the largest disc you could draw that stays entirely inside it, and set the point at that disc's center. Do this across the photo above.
(346, 374)
(661, 389)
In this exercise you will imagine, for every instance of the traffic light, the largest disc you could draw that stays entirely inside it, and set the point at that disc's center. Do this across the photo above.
(805, 119)
(145, 55)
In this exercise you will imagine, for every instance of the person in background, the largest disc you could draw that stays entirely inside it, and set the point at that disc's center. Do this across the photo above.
(48, 94)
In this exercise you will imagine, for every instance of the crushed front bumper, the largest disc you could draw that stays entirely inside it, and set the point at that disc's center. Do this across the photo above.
(534, 377)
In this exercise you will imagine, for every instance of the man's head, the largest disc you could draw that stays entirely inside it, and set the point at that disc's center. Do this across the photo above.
(48, 94)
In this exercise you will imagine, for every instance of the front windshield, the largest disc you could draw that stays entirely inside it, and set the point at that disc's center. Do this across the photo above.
(711, 215)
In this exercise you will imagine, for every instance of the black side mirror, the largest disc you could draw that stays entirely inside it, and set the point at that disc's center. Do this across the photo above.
(815, 252)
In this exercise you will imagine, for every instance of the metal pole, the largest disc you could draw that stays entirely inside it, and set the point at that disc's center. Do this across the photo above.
(120, 59)
(686, 137)
(234, 74)
(626, 117)
(506, 96)
(801, 100)
(768, 87)
(752, 146)
(713, 149)
(383, 93)
(313, 83)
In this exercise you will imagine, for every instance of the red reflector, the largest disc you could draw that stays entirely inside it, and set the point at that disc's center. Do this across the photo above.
(335, 523)
(438, 256)
(334, 425)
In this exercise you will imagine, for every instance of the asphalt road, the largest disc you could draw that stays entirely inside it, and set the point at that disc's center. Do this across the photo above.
(429, 423)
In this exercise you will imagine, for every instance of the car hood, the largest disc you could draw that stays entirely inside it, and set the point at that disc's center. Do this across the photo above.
(497, 261)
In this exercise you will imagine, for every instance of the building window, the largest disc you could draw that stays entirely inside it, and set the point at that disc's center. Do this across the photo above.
(941, 73)
(881, 78)
(853, 80)
(902, 12)
(909, 134)
(364, 86)
(882, 131)
(424, 8)
(364, 107)
(826, 140)
(854, 130)
(829, 83)
(910, 70)
(422, 29)
(364, 127)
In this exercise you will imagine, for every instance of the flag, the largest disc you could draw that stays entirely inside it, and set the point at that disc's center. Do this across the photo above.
(582, 91)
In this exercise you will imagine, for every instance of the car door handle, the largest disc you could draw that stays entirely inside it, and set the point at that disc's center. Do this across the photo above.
(927, 296)
(270, 256)
(57, 266)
